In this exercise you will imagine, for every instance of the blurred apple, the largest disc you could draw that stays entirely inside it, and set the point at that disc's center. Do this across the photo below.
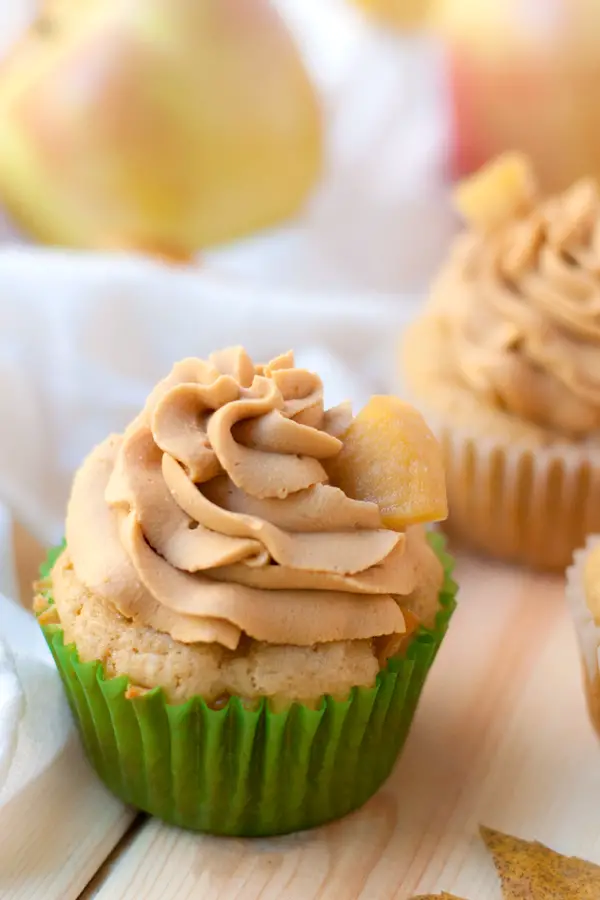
(524, 75)
(159, 125)
(401, 13)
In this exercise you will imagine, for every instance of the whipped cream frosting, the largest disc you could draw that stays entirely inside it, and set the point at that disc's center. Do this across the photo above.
(212, 515)
(520, 307)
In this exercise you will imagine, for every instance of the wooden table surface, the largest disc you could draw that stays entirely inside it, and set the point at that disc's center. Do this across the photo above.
(501, 737)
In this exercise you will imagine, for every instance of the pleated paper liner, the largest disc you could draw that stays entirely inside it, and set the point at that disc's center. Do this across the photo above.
(588, 633)
(533, 506)
(249, 772)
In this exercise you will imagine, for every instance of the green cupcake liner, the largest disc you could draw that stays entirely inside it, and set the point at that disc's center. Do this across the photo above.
(243, 772)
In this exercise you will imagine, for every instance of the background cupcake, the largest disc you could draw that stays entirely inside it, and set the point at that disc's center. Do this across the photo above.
(243, 643)
(505, 361)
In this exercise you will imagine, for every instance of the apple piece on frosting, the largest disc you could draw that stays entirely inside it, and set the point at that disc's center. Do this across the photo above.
(391, 458)
(504, 189)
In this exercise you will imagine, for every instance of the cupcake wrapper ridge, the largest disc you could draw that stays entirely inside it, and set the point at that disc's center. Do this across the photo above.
(248, 772)
(533, 506)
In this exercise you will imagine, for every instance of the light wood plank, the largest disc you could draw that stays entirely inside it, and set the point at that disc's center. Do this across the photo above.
(501, 737)
(93, 886)
(61, 831)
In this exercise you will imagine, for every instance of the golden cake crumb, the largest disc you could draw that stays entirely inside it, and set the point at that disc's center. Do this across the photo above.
(152, 659)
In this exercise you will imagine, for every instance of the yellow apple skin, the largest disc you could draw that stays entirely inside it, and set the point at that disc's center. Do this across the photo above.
(159, 125)
(400, 13)
(390, 457)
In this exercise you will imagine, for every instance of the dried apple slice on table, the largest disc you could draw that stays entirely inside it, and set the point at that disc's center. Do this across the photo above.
(391, 457)
(530, 869)
(443, 896)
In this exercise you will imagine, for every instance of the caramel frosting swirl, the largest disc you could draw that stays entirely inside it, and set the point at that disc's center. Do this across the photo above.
(212, 515)
(520, 306)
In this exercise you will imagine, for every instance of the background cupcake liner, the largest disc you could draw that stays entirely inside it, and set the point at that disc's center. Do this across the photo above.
(529, 505)
(525, 504)
(588, 633)
(237, 771)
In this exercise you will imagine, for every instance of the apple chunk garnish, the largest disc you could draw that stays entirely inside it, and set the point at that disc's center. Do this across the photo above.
(390, 457)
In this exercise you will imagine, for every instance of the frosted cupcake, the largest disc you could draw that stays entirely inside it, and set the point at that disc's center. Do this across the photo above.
(505, 363)
(247, 604)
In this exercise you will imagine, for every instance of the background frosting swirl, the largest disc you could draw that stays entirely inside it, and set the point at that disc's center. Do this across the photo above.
(520, 305)
(212, 516)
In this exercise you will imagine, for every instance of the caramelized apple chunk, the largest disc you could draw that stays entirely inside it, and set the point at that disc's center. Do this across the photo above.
(502, 190)
(390, 457)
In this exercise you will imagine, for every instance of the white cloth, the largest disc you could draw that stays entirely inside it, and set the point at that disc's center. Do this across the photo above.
(35, 722)
(12, 702)
(34, 718)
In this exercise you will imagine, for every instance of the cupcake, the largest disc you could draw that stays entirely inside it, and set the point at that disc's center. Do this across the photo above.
(247, 602)
(583, 596)
(505, 363)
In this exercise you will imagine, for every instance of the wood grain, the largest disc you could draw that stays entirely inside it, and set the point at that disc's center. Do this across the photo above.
(101, 874)
(501, 737)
